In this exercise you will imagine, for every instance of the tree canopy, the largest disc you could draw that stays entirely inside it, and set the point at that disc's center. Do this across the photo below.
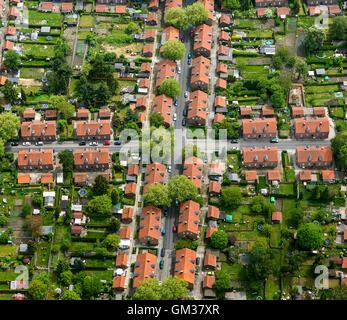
(219, 239)
(260, 263)
(309, 236)
(173, 49)
(231, 196)
(12, 60)
(9, 126)
(196, 13)
(156, 119)
(100, 185)
(157, 195)
(314, 39)
(177, 17)
(171, 87)
(100, 205)
(37, 289)
(66, 159)
(182, 189)
(338, 29)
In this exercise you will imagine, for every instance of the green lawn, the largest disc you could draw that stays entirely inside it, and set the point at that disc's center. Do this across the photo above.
(39, 51)
(6, 297)
(271, 288)
(31, 73)
(8, 250)
(102, 274)
(290, 175)
(87, 21)
(45, 18)
(43, 254)
(74, 246)
(275, 235)
(287, 188)
(101, 263)
(8, 275)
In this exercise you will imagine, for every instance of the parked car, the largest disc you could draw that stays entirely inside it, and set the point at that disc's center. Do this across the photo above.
(184, 122)
(27, 143)
(107, 143)
(214, 179)
(175, 103)
(82, 143)
(163, 232)
(186, 94)
(189, 55)
(234, 148)
(38, 143)
(13, 144)
(161, 264)
(178, 70)
(169, 169)
(174, 117)
(185, 112)
(162, 252)
(174, 228)
(70, 150)
(117, 143)
(234, 141)
(274, 140)
(192, 33)
(210, 273)
(165, 212)
(197, 260)
(189, 62)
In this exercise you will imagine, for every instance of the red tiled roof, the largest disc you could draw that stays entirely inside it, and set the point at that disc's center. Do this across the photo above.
(315, 154)
(209, 6)
(3, 80)
(52, 113)
(267, 111)
(149, 223)
(130, 188)
(192, 169)
(66, 6)
(171, 33)
(282, 11)
(35, 157)
(172, 4)
(11, 30)
(298, 111)
(222, 67)
(8, 45)
(104, 112)
(200, 70)
(133, 170)
(121, 260)
(203, 37)
(163, 105)
(93, 128)
(245, 111)
(217, 168)
(209, 282)
(221, 83)
(305, 175)
(261, 12)
(185, 265)
(276, 216)
(344, 263)
(274, 175)
(251, 175)
(215, 187)
(124, 233)
(46, 5)
(188, 219)
(150, 33)
(319, 111)
(152, 16)
(47, 178)
(144, 83)
(312, 125)
(223, 50)
(13, 12)
(210, 260)
(335, 9)
(209, 231)
(144, 267)
(153, 3)
(213, 212)
(128, 213)
(313, 11)
(328, 175)
(197, 107)
(259, 155)
(91, 156)
(79, 177)
(23, 178)
(38, 128)
(224, 19)
(250, 126)
(141, 102)
(76, 230)
(83, 113)
(100, 8)
(120, 9)
(223, 36)
(119, 282)
(155, 173)
(166, 69)
(345, 234)
(146, 67)
(29, 113)
(77, 215)
(148, 48)
(218, 117)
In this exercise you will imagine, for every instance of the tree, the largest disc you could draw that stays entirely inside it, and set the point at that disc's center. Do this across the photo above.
(309, 236)
(177, 17)
(2, 148)
(260, 264)
(156, 119)
(114, 225)
(132, 26)
(100, 186)
(112, 241)
(157, 195)
(62, 124)
(62, 266)
(103, 94)
(71, 295)
(62, 48)
(3, 220)
(268, 14)
(92, 286)
(231, 196)
(66, 110)
(258, 203)
(9, 91)
(66, 159)
(148, 289)
(314, 39)
(338, 29)
(100, 205)
(115, 196)
(58, 79)
(292, 61)
(37, 289)
(339, 293)
(174, 49)
(65, 278)
(171, 87)
(301, 68)
(296, 217)
(131, 116)
(196, 13)
(339, 147)
(182, 189)
(296, 6)
(277, 62)
(4, 238)
(34, 223)
(173, 288)
(186, 243)
(12, 60)
(222, 282)
(219, 239)
(235, 4)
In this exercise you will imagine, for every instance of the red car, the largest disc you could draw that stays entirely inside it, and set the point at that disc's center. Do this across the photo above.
(182, 39)
(106, 143)
(174, 228)
(191, 33)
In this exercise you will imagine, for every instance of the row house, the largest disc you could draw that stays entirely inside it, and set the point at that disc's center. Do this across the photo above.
(185, 266)
(260, 157)
(200, 73)
(315, 128)
(113, 1)
(35, 159)
(209, 6)
(141, 103)
(223, 38)
(220, 104)
(203, 40)
(152, 18)
(172, 4)
(155, 173)
(188, 220)
(166, 69)
(148, 49)
(39, 131)
(153, 5)
(259, 128)
(104, 113)
(130, 190)
(145, 266)
(213, 213)
(197, 108)
(308, 157)
(127, 214)
(145, 70)
(170, 33)
(224, 21)
(163, 104)
(149, 228)
(28, 114)
(270, 3)
(150, 35)
(46, 6)
(222, 70)
(83, 114)
(66, 7)
(93, 130)
(91, 159)
(122, 261)
(192, 169)
(214, 188)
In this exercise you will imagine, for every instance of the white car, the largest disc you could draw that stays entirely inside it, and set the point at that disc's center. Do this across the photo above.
(169, 169)
(186, 94)
(175, 117)
(178, 70)
(91, 143)
(26, 143)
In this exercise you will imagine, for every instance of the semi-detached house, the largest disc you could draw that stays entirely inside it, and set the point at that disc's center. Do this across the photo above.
(149, 226)
(259, 128)
(93, 130)
(35, 160)
(260, 157)
(188, 220)
(39, 131)
(91, 159)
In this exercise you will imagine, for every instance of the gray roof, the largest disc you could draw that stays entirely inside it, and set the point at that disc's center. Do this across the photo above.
(46, 230)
